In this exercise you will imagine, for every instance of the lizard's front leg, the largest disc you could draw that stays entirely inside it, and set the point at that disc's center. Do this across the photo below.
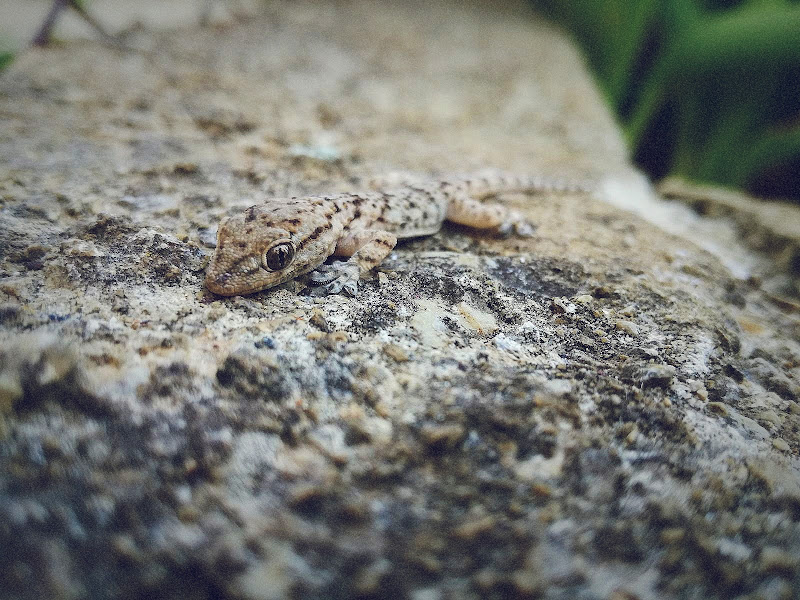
(465, 210)
(366, 249)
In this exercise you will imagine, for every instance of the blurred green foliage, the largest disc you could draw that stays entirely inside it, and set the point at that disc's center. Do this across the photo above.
(705, 89)
(5, 59)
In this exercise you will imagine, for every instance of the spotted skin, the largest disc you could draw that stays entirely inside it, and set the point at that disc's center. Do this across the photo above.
(302, 233)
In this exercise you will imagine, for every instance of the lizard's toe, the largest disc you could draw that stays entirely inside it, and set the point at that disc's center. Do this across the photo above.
(350, 288)
(505, 229)
(524, 228)
(323, 274)
(515, 224)
(334, 287)
(335, 278)
(520, 228)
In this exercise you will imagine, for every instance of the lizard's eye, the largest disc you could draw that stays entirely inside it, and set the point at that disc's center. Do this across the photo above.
(278, 256)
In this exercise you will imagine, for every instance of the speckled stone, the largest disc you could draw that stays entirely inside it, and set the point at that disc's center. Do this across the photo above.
(604, 410)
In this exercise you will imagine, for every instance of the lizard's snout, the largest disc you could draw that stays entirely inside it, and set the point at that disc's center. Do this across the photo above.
(229, 276)
(219, 283)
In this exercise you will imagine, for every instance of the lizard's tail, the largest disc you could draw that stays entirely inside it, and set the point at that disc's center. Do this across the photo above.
(491, 182)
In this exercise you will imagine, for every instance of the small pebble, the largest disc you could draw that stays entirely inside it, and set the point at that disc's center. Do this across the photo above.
(319, 321)
(442, 435)
(658, 375)
(778, 561)
(396, 352)
(627, 327)
(475, 527)
(718, 408)
(781, 444)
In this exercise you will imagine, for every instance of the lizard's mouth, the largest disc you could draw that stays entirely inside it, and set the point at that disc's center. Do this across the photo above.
(245, 276)
(229, 278)
(225, 285)
(221, 284)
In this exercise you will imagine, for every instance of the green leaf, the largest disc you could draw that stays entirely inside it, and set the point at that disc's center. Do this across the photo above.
(6, 58)
(625, 43)
(718, 73)
(772, 149)
(744, 38)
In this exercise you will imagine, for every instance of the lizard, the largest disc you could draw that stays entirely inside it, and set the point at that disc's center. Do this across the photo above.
(283, 238)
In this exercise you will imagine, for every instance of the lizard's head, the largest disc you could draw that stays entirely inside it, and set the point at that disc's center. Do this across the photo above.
(252, 255)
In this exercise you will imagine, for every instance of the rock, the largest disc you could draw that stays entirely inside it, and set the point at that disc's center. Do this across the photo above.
(627, 327)
(651, 375)
(718, 408)
(396, 352)
(777, 561)
(603, 408)
(774, 379)
(442, 436)
(660, 375)
(781, 445)
(475, 527)
(482, 322)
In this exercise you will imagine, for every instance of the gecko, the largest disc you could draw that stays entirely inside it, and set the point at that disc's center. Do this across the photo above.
(283, 238)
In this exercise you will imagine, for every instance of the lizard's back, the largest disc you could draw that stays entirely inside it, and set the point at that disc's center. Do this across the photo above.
(407, 211)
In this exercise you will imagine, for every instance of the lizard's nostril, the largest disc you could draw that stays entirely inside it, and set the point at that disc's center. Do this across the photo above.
(219, 284)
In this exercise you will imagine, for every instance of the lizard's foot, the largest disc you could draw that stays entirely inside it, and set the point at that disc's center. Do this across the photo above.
(335, 278)
(516, 225)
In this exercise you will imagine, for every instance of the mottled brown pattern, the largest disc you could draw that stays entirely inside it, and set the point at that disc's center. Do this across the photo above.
(364, 226)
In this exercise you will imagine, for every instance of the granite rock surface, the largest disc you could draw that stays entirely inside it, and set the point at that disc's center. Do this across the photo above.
(605, 410)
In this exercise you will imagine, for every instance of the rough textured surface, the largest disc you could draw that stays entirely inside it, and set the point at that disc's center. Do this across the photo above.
(602, 411)
(769, 229)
